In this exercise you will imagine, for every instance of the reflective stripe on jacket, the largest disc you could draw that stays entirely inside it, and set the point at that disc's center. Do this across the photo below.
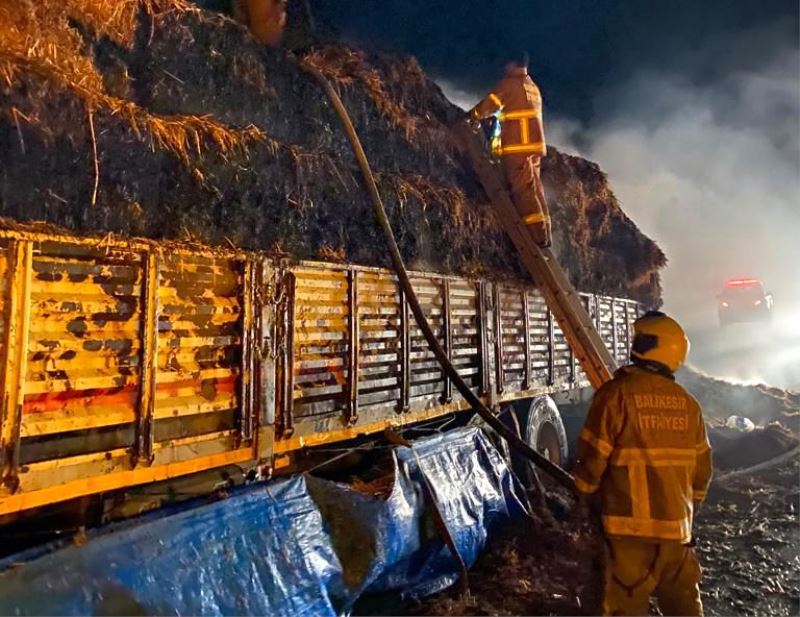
(519, 102)
(644, 447)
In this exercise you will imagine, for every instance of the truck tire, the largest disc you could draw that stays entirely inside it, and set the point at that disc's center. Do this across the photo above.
(543, 429)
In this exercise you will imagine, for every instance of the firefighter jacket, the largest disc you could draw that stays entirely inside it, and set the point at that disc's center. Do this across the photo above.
(519, 103)
(644, 448)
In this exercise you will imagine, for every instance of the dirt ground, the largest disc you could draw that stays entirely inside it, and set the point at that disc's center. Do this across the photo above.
(749, 543)
(539, 567)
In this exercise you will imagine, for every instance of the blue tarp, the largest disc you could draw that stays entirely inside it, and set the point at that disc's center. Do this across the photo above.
(297, 546)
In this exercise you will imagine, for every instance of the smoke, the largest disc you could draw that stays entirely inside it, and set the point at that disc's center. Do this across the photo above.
(458, 96)
(711, 172)
(710, 169)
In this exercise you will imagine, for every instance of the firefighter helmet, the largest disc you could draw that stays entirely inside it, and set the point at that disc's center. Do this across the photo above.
(659, 338)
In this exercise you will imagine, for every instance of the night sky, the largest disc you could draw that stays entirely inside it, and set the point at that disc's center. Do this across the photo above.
(578, 48)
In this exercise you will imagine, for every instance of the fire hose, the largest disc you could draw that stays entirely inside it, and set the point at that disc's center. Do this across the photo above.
(513, 440)
(777, 460)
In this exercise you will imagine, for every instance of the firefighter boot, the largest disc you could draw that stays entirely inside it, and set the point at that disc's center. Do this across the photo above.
(540, 232)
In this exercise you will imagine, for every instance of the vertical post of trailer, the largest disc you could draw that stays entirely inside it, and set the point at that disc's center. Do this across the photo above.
(143, 452)
(18, 317)
(447, 392)
(483, 341)
(351, 405)
(405, 355)
(286, 338)
(266, 291)
(246, 402)
(498, 341)
(526, 340)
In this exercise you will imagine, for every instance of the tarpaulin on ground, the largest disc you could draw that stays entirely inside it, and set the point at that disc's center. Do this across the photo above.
(391, 543)
(296, 546)
(237, 556)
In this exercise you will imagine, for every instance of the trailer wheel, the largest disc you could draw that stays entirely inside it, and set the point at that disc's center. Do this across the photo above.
(544, 430)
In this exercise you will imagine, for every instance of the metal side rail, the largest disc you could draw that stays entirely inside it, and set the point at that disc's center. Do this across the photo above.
(558, 292)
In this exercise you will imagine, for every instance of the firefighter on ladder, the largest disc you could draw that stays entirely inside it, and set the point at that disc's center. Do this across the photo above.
(644, 455)
(518, 105)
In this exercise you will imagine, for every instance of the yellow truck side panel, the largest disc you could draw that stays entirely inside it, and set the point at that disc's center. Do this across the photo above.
(127, 362)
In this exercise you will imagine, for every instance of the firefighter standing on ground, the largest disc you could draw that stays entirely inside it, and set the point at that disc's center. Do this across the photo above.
(522, 144)
(645, 454)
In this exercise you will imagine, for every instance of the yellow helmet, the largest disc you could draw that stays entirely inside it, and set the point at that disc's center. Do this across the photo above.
(659, 338)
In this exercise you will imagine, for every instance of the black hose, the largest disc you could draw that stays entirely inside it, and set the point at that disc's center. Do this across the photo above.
(556, 472)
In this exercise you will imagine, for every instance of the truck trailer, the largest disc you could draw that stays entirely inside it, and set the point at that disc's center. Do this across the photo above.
(133, 363)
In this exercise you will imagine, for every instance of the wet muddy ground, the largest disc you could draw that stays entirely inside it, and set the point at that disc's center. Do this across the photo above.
(749, 543)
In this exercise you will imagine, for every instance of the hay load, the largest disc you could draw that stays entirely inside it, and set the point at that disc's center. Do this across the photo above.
(157, 118)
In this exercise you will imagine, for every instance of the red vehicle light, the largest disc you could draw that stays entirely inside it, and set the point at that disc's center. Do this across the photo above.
(742, 282)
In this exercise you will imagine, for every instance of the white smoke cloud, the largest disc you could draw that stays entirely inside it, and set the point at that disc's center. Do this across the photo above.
(458, 96)
(712, 173)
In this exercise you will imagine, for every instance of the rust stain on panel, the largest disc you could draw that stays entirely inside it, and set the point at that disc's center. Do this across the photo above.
(84, 338)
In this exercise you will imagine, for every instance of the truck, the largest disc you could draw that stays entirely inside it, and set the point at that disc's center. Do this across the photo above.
(744, 300)
(131, 363)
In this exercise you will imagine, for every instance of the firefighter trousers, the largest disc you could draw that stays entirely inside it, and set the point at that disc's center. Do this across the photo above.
(637, 569)
(527, 192)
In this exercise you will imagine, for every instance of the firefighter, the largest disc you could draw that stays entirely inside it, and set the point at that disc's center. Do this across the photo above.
(518, 105)
(645, 461)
